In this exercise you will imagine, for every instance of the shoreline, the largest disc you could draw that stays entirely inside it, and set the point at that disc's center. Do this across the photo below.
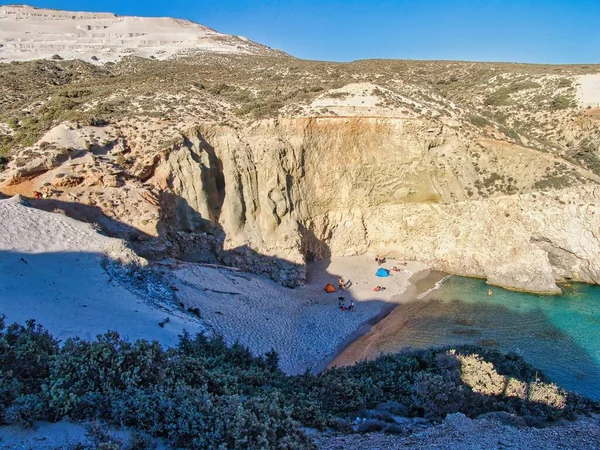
(304, 325)
(422, 283)
(436, 286)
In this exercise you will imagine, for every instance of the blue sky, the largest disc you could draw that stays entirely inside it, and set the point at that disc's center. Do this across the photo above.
(537, 31)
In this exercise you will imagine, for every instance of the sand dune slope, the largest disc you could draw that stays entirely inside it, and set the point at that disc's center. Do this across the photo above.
(77, 282)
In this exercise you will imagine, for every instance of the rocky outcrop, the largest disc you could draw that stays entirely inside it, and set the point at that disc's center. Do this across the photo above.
(29, 33)
(523, 242)
(290, 189)
(272, 195)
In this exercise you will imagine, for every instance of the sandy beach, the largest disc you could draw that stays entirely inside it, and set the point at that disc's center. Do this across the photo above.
(79, 283)
(359, 348)
(304, 325)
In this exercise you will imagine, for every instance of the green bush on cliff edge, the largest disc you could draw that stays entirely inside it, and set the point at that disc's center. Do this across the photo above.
(203, 394)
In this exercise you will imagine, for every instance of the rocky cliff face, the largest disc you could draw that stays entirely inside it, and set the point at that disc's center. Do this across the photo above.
(401, 188)
(522, 242)
(269, 196)
(264, 162)
(290, 189)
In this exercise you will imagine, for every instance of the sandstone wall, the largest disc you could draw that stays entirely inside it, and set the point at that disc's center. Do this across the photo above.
(269, 196)
(522, 242)
(294, 188)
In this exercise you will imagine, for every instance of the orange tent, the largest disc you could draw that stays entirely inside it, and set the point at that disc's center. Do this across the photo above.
(329, 288)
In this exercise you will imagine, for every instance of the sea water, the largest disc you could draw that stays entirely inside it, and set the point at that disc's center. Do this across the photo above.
(560, 335)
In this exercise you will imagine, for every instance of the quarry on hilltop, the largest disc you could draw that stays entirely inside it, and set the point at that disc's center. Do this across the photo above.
(30, 33)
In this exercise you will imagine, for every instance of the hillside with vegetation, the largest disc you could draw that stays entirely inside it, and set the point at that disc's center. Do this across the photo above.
(408, 133)
(204, 395)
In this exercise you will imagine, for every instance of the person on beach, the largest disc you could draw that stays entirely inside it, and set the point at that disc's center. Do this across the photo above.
(351, 307)
(341, 304)
(341, 284)
(380, 259)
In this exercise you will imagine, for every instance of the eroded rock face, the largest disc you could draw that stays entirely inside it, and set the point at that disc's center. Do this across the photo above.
(289, 189)
(522, 242)
(271, 195)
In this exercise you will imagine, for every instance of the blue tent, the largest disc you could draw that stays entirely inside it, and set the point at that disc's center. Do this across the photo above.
(381, 272)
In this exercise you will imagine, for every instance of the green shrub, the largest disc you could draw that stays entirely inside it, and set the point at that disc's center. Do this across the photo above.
(25, 357)
(203, 394)
(565, 83)
(142, 441)
(560, 102)
(501, 97)
(511, 133)
(479, 121)
(24, 411)
(586, 153)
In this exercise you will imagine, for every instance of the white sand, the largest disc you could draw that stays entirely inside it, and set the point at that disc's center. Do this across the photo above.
(588, 91)
(50, 270)
(51, 436)
(304, 325)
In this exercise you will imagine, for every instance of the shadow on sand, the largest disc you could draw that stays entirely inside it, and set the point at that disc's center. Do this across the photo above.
(405, 321)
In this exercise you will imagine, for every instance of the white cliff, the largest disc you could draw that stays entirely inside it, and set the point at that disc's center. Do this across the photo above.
(271, 195)
(28, 33)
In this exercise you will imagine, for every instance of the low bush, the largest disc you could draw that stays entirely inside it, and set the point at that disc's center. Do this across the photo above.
(502, 96)
(565, 83)
(586, 154)
(559, 102)
(203, 394)
(479, 121)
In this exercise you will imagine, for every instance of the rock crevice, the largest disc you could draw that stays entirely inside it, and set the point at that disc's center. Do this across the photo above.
(269, 196)
(298, 189)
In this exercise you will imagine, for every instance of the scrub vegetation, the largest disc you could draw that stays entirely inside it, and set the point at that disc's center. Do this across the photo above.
(203, 394)
(517, 101)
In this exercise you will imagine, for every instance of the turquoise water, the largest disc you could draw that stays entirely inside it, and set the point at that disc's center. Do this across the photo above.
(560, 335)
